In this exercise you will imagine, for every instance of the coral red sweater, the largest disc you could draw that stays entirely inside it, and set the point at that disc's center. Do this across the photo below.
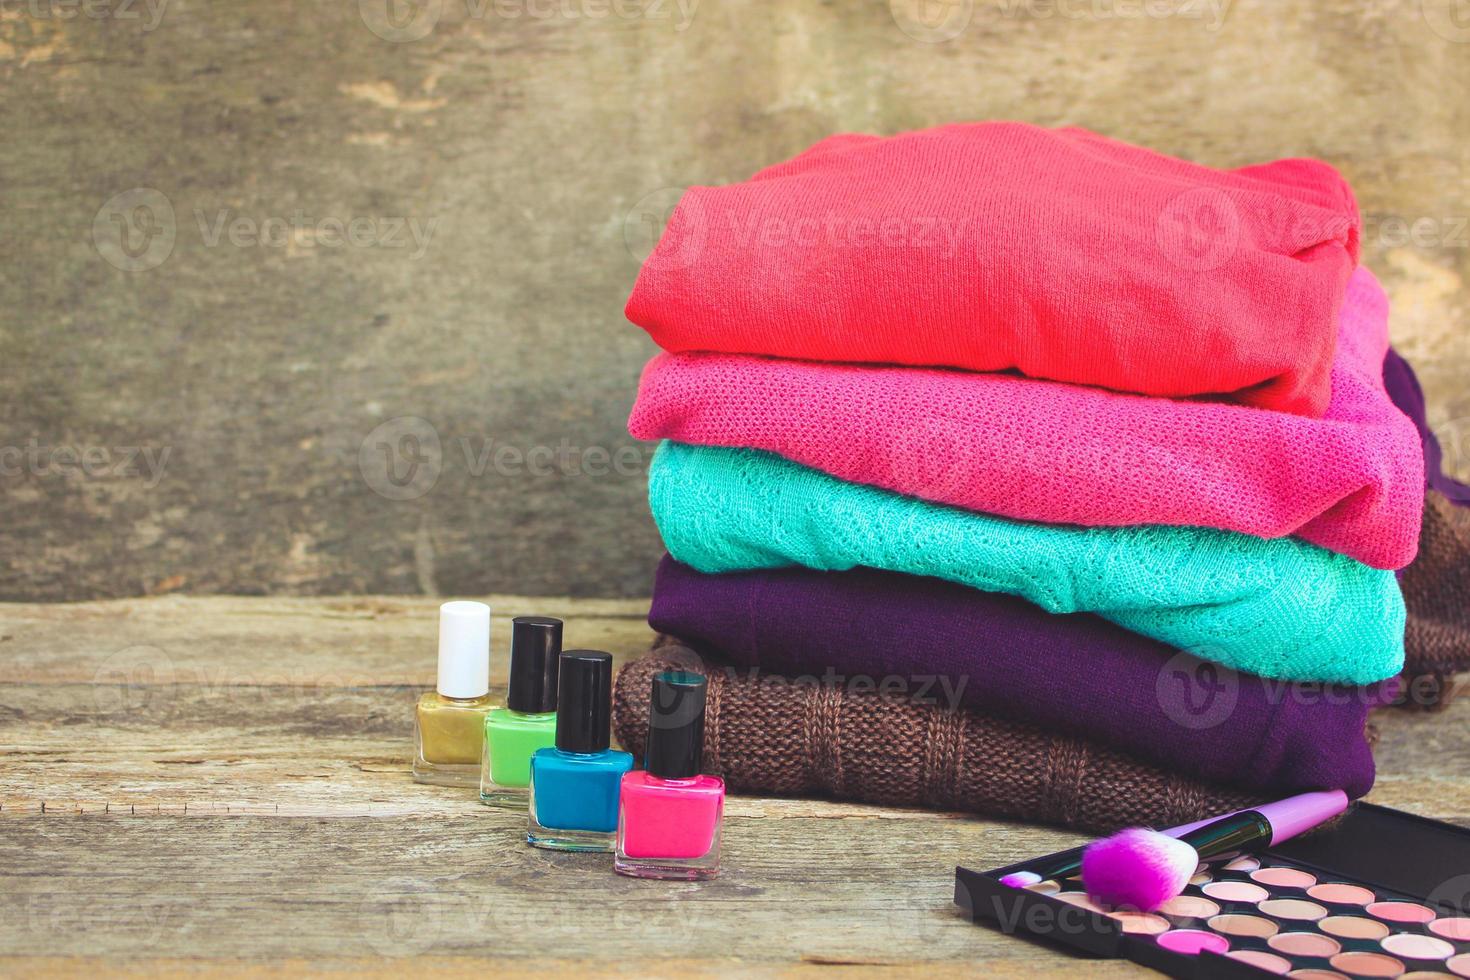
(997, 246)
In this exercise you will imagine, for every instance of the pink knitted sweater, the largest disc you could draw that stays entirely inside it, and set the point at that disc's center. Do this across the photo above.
(1352, 481)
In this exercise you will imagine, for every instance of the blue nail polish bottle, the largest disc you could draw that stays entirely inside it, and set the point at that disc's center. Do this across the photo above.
(574, 785)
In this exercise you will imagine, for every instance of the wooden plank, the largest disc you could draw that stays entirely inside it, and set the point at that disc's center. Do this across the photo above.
(793, 891)
(300, 749)
(214, 817)
(996, 966)
(286, 749)
(224, 641)
(441, 966)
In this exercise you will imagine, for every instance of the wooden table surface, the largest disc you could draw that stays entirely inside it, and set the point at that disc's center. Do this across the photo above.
(221, 785)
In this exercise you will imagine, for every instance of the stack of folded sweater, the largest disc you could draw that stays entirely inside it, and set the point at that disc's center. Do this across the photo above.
(1032, 473)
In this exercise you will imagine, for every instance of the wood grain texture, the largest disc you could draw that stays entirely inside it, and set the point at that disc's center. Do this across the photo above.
(342, 641)
(263, 366)
(246, 808)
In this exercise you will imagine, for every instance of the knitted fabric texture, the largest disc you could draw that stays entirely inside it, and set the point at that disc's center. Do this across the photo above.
(1403, 387)
(1437, 594)
(1073, 675)
(1280, 608)
(999, 245)
(1436, 586)
(1351, 481)
(768, 734)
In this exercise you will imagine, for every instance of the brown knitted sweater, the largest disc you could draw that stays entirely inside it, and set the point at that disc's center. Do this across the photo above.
(1437, 593)
(767, 734)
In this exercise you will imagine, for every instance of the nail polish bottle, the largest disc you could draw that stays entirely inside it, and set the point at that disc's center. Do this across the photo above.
(449, 723)
(528, 721)
(574, 784)
(671, 813)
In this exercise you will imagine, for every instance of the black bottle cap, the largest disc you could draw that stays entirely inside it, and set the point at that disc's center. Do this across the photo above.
(584, 701)
(535, 647)
(676, 725)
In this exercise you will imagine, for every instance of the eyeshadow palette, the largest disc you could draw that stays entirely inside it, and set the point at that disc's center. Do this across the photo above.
(1306, 909)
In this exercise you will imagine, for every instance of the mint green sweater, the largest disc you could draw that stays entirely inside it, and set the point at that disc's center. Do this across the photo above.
(1275, 607)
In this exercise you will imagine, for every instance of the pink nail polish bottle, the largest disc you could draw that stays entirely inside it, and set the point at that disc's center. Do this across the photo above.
(670, 814)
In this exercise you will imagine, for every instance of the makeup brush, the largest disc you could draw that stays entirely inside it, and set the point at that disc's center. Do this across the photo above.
(1069, 863)
(1142, 869)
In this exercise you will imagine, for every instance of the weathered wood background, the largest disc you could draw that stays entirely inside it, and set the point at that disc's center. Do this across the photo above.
(253, 238)
(220, 786)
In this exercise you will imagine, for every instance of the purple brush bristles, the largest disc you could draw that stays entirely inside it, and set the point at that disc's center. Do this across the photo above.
(1137, 869)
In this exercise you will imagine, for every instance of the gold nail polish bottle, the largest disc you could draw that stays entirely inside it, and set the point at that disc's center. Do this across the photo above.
(449, 722)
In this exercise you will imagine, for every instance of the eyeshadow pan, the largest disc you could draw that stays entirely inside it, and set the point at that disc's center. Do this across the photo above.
(1417, 947)
(1426, 975)
(1236, 891)
(1141, 923)
(1367, 964)
(1244, 925)
(1304, 944)
(1261, 960)
(1293, 908)
(1284, 877)
(1317, 975)
(1401, 911)
(1243, 864)
(1044, 887)
(1200, 878)
(1456, 929)
(1353, 927)
(1190, 907)
(1339, 894)
(1460, 965)
(1080, 900)
(1193, 941)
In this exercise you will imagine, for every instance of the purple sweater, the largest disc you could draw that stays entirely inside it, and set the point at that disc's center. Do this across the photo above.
(1403, 388)
(1074, 674)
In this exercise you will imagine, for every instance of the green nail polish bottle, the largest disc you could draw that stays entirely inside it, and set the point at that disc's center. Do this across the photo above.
(528, 721)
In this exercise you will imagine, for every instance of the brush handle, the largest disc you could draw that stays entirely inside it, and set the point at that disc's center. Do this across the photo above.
(1237, 832)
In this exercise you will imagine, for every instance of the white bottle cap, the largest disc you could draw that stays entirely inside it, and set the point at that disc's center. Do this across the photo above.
(464, 649)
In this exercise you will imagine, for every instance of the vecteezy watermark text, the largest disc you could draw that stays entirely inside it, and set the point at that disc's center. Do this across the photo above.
(1199, 694)
(938, 21)
(935, 233)
(403, 458)
(302, 231)
(94, 462)
(1211, 12)
(137, 229)
(150, 12)
(146, 680)
(931, 690)
(56, 913)
(1423, 231)
(413, 20)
